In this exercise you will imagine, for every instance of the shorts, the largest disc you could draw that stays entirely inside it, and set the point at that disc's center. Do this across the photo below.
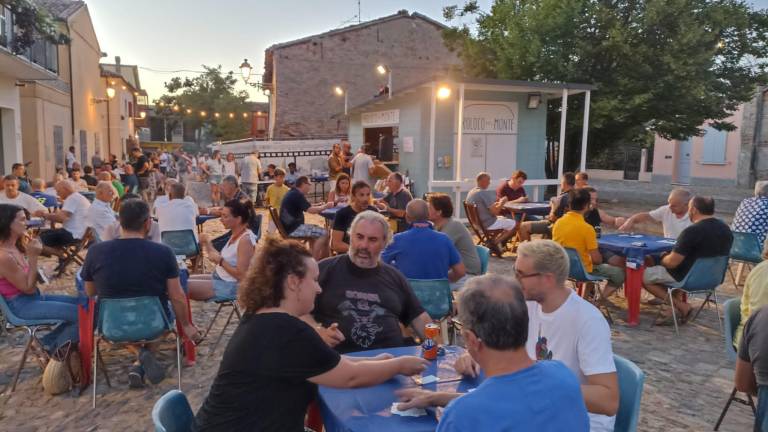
(214, 178)
(540, 227)
(223, 290)
(251, 189)
(615, 275)
(57, 237)
(308, 230)
(658, 275)
(503, 223)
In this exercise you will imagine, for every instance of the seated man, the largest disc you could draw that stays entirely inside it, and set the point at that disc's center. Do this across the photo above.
(106, 274)
(495, 329)
(359, 202)
(76, 178)
(292, 174)
(90, 180)
(752, 214)
(178, 213)
(513, 188)
(572, 231)
(107, 176)
(100, 213)
(673, 216)
(752, 365)
(292, 217)
(113, 231)
(582, 179)
(395, 200)
(707, 237)
(422, 253)
(597, 217)
(489, 210)
(11, 195)
(363, 300)
(38, 192)
(558, 205)
(441, 215)
(73, 215)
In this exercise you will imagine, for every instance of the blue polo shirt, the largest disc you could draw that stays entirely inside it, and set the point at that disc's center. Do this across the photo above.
(422, 253)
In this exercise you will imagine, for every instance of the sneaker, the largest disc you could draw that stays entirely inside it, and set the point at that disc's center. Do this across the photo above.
(153, 368)
(136, 377)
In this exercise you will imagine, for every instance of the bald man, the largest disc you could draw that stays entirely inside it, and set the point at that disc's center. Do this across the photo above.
(100, 213)
(421, 252)
(73, 215)
(673, 216)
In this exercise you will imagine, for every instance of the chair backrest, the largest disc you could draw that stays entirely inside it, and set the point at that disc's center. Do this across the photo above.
(131, 319)
(576, 268)
(485, 255)
(12, 319)
(746, 247)
(474, 220)
(255, 225)
(706, 274)
(631, 380)
(182, 242)
(275, 215)
(172, 413)
(732, 319)
(434, 296)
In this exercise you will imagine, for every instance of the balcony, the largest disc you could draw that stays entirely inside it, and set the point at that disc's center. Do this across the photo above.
(39, 62)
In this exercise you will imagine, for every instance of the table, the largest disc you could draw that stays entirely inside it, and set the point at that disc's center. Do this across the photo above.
(320, 180)
(541, 208)
(200, 220)
(635, 254)
(368, 409)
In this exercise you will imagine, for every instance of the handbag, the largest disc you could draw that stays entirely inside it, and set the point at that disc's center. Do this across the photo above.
(63, 371)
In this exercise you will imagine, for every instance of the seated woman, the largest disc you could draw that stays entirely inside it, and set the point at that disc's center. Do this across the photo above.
(18, 279)
(274, 362)
(232, 261)
(339, 196)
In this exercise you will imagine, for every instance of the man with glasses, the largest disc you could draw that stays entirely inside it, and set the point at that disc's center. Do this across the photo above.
(495, 328)
(673, 216)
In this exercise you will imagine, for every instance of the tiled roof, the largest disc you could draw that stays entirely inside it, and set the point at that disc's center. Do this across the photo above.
(62, 9)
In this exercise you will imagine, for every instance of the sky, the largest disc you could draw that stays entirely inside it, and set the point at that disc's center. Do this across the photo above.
(162, 36)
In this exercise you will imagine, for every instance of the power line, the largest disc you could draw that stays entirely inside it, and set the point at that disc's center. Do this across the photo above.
(170, 71)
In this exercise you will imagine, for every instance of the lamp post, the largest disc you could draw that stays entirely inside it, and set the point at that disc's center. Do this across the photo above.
(382, 69)
(245, 72)
(340, 92)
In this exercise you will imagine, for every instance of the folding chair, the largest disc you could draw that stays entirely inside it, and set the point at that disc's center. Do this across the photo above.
(485, 237)
(172, 413)
(631, 380)
(184, 243)
(705, 276)
(746, 250)
(229, 302)
(436, 298)
(579, 276)
(14, 323)
(485, 255)
(275, 215)
(130, 321)
(732, 318)
(71, 252)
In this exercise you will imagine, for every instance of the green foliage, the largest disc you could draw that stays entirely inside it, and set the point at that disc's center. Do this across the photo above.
(30, 23)
(661, 66)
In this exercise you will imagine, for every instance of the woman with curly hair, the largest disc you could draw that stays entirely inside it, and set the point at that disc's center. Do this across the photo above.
(274, 361)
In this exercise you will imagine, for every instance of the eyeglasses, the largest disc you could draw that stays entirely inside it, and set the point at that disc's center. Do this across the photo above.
(521, 275)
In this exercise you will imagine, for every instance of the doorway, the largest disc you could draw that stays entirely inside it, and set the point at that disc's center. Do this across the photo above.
(684, 162)
(381, 140)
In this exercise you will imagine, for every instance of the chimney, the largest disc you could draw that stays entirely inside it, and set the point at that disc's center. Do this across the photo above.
(117, 65)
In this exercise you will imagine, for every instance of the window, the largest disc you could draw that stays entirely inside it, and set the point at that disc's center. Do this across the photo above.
(58, 145)
(6, 23)
(714, 146)
(83, 148)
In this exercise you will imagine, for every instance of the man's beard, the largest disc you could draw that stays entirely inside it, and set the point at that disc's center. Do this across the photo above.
(363, 257)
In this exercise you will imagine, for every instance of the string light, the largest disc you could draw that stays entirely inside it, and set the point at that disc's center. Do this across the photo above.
(231, 115)
(203, 114)
(217, 115)
(245, 115)
(189, 110)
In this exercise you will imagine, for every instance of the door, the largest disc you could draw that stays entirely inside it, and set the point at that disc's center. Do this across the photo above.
(684, 161)
(632, 158)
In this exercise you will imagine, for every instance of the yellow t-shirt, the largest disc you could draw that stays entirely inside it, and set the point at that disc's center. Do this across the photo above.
(754, 296)
(275, 195)
(572, 231)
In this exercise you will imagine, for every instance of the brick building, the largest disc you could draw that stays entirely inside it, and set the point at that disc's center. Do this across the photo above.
(302, 74)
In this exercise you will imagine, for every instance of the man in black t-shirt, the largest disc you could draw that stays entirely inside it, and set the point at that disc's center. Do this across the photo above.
(133, 266)
(707, 237)
(292, 210)
(362, 298)
(361, 199)
(141, 168)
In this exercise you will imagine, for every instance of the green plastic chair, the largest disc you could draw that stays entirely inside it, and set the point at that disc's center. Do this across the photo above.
(434, 295)
(172, 413)
(485, 255)
(631, 379)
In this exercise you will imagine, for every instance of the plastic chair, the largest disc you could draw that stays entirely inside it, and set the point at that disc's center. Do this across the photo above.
(172, 413)
(182, 242)
(732, 318)
(14, 323)
(130, 321)
(705, 276)
(485, 255)
(434, 295)
(631, 379)
(579, 275)
(746, 250)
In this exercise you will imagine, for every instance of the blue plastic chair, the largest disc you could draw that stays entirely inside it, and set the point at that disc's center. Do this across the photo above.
(745, 250)
(172, 413)
(578, 274)
(631, 379)
(130, 320)
(705, 276)
(31, 326)
(182, 242)
(434, 295)
(485, 255)
(732, 318)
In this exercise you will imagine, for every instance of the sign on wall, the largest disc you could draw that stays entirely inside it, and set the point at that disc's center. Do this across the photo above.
(489, 139)
(381, 118)
(498, 118)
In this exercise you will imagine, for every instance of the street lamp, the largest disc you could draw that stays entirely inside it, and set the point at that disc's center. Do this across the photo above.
(245, 70)
(143, 114)
(382, 69)
(443, 92)
(340, 92)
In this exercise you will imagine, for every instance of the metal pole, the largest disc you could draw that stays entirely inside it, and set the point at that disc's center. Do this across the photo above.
(561, 150)
(432, 160)
(165, 127)
(584, 132)
(389, 83)
(346, 103)
(459, 142)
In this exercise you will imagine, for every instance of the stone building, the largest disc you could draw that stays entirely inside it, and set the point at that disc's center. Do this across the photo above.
(302, 75)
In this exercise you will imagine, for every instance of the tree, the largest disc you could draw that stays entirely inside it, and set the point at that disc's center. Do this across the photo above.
(661, 66)
(196, 102)
(31, 23)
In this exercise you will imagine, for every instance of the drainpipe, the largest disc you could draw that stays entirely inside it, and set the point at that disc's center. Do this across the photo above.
(109, 129)
(758, 132)
(71, 90)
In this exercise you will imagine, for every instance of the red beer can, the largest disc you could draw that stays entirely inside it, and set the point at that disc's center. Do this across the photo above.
(431, 338)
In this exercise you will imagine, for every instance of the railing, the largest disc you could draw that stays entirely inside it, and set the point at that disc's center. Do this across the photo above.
(42, 52)
(459, 186)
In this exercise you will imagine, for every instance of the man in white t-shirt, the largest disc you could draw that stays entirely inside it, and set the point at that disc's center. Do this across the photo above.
(673, 216)
(11, 195)
(73, 215)
(71, 159)
(362, 166)
(563, 326)
(100, 213)
(177, 213)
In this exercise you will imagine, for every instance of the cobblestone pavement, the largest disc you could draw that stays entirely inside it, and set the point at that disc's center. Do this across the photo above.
(688, 378)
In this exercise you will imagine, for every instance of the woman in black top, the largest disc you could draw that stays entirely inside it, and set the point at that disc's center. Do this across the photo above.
(274, 361)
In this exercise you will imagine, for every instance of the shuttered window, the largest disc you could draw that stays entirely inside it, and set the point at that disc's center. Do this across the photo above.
(714, 146)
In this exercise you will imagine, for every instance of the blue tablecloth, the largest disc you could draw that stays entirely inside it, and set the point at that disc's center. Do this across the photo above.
(330, 213)
(622, 244)
(530, 208)
(368, 409)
